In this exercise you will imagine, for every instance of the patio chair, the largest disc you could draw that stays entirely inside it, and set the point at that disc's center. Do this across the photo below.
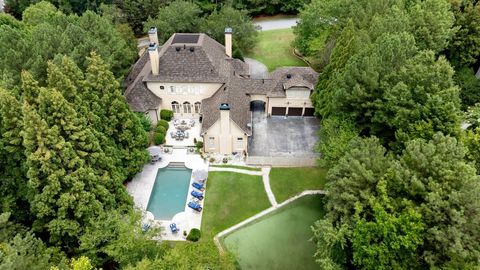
(195, 206)
(192, 123)
(173, 228)
(186, 135)
(172, 134)
(197, 186)
(196, 194)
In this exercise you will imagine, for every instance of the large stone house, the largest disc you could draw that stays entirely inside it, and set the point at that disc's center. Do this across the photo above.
(196, 77)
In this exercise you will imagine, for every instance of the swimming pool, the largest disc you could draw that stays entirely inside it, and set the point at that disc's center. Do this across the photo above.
(279, 240)
(169, 192)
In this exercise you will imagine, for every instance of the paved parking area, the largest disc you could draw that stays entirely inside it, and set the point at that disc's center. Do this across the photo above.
(283, 137)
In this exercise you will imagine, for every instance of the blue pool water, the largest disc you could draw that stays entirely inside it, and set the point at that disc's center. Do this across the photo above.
(169, 193)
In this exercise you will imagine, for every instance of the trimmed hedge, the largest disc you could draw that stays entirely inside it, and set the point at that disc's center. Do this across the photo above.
(159, 138)
(161, 129)
(194, 235)
(163, 123)
(166, 115)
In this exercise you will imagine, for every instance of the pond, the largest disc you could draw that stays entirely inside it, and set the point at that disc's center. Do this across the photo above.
(279, 240)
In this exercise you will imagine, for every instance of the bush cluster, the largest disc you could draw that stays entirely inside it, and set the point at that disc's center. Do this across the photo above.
(166, 115)
(194, 235)
(160, 132)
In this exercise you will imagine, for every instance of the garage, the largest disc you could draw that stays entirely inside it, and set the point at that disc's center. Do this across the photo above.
(309, 112)
(279, 110)
(294, 111)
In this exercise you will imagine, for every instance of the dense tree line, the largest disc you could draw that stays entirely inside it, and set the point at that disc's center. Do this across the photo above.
(136, 12)
(403, 180)
(46, 33)
(182, 16)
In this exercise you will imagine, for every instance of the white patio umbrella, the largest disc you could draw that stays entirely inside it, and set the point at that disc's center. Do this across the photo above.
(200, 175)
(148, 217)
(181, 220)
(154, 150)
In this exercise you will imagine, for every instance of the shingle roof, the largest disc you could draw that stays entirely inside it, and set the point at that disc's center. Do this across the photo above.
(140, 98)
(299, 77)
(204, 61)
(207, 62)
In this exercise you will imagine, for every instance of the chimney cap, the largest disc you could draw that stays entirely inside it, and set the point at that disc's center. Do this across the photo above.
(224, 107)
(153, 30)
(153, 46)
(228, 30)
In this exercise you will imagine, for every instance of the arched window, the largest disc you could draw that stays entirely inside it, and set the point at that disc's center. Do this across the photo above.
(197, 107)
(175, 107)
(187, 107)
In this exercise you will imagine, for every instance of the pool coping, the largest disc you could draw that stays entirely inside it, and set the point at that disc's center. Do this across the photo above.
(216, 238)
(140, 188)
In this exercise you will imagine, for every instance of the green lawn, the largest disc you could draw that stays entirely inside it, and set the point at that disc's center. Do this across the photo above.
(237, 167)
(287, 182)
(231, 198)
(274, 49)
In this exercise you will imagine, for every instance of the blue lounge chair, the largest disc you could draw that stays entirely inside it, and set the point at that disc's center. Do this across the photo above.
(197, 186)
(196, 194)
(195, 206)
(145, 227)
(173, 228)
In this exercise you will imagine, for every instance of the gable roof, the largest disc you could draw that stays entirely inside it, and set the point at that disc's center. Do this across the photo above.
(298, 77)
(203, 61)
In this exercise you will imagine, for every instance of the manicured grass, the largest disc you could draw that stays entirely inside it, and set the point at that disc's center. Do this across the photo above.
(274, 49)
(230, 198)
(237, 167)
(287, 182)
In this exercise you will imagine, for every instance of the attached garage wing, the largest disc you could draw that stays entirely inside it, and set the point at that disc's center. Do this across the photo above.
(309, 112)
(279, 110)
(293, 111)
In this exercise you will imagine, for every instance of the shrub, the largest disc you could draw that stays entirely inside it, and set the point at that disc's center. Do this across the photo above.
(159, 138)
(194, 235)
(145, 121)
(160, 129)
(199, 144)
(237, 53)
(163, 123)
(166, 115)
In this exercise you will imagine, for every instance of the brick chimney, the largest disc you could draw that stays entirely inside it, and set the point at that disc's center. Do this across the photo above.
(228, 41)
(152, 35)
(154, 59)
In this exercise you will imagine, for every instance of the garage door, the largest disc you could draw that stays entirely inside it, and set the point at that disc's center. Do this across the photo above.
(293, 111)
(309, 112)
(279, 110)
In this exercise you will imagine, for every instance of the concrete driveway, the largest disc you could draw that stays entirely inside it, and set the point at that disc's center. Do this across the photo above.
(283, 137)
(273, 24)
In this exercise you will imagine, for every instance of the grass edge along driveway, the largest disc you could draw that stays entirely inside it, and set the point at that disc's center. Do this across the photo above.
(274, 49)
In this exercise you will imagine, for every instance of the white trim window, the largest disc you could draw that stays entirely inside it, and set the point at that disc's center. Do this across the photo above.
(197, 107)
(175, 107)
(239, 143)
(172, 89)
(187, 107)
(211, 142)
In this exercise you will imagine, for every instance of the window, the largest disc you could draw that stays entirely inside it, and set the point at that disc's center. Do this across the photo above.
(211, 142)
(172, 89)
(162, 87)
(197, 107)
(175, 107)
(187, 107)
(239, 143)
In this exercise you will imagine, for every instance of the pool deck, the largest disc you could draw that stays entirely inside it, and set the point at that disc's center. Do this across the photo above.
(141, 187)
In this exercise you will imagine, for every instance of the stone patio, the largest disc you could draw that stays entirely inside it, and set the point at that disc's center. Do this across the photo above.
(141, 186)
(194, 132)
